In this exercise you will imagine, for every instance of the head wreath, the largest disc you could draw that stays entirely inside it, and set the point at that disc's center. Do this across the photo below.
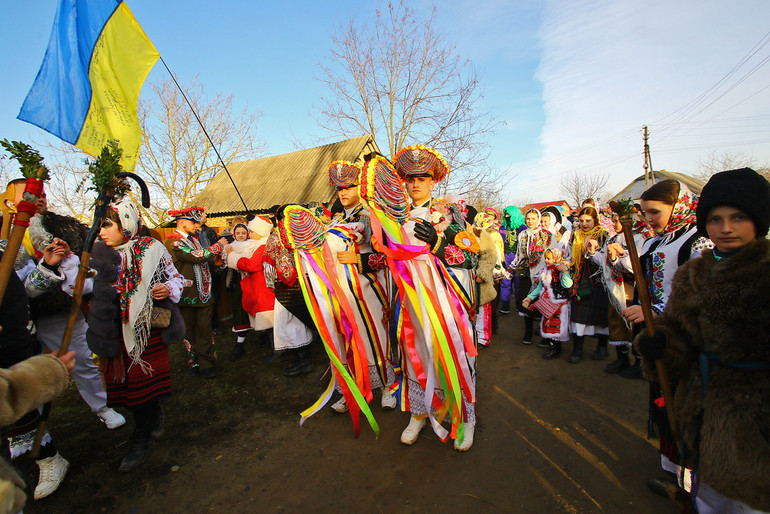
(343, 174)
(421, 161)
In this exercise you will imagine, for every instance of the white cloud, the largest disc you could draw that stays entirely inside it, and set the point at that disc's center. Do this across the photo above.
(607, 68)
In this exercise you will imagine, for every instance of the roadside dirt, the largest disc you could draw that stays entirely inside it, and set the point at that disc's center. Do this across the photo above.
(551, 437)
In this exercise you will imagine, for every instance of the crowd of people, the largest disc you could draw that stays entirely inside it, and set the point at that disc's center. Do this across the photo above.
(403, 289)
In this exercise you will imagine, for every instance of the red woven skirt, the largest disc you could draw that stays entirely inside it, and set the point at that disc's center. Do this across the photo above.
(128, 386)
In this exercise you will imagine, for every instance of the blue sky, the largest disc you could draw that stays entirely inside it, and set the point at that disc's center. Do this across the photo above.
(571, 81)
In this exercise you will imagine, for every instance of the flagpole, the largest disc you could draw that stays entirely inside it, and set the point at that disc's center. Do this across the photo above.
(204, 131)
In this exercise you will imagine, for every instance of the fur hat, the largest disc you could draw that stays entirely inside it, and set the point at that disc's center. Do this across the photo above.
(744, 189)
(260, 226)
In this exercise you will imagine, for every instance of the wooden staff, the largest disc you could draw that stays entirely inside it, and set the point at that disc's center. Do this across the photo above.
(644, 299)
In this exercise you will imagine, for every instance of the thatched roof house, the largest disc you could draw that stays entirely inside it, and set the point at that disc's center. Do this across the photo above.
(297, 177)
(637, 186)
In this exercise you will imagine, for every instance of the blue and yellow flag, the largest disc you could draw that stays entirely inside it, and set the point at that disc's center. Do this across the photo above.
(87, 89)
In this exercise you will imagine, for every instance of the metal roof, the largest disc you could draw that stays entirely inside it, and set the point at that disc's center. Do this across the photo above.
(636, 187)
(297, 177)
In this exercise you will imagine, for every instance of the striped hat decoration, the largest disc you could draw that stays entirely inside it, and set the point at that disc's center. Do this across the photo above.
(421, 161)
(343, 174)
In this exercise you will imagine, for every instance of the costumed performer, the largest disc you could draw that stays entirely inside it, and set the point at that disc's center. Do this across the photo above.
(553, 291)
(527, 265)
(588, 311)
(248, 257)
(192, 261)
(49, 288)
(291, 318)
(670, 210)
(349, 235)
(430, 257)
(513, 224)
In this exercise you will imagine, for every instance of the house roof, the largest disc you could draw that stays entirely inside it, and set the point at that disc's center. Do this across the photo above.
(296, 177)
(542, 205)
(637, 186)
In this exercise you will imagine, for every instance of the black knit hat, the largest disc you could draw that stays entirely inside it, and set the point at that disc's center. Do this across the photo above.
(744, 189)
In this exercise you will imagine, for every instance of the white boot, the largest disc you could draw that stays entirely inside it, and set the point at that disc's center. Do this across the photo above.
(341, 406)
(467, 439)
(388, 401)
(111, 418)
(52, 471)
(412, 430)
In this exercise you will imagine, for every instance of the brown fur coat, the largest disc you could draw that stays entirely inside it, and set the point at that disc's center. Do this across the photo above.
(722, 307)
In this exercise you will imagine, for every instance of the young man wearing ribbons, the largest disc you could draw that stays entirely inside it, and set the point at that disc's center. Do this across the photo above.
(192, 261)
(350, 233)
(430, 256)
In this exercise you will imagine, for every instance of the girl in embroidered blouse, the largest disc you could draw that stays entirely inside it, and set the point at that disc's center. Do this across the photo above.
(554, 285)
(134, 274)
(588, 316)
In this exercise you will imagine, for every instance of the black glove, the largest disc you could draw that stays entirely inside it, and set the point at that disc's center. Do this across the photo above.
(652, 346)
(424, 231)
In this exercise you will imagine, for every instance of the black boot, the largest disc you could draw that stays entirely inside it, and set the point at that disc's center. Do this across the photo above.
(528, 330)
(238, 352)
(157, 428)
(620, 363)
(554, 351)
(634, 371)
(577, 349)
(601, 348)
(141, 443)
(505, 308)
(302, 364)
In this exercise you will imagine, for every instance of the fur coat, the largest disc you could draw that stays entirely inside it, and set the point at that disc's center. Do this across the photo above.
(721, 308)
(488, 259)
(104, 335)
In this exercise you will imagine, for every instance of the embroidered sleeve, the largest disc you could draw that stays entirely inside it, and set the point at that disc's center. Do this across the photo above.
(41, 279)
(182, 251)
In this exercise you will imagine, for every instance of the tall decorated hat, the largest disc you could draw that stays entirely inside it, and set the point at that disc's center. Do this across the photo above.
(191, 213)
(421, 161)
(343, 174)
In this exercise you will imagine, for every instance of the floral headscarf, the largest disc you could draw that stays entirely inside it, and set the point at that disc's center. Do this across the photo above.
(683, 213)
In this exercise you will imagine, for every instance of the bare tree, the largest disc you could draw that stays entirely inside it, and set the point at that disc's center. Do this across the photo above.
(176, 159)
(398, 81)
(714, 163)
(577, 186)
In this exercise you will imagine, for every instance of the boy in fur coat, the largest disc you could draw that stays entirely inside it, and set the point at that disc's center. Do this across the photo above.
(714, 336)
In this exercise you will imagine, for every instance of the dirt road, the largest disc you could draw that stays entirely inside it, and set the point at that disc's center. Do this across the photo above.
(552, 437)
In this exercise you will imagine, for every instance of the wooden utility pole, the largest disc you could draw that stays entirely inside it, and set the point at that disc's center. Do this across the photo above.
(649, 176)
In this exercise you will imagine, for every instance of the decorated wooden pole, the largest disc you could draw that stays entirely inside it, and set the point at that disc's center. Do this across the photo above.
(644, 299)
(36, 173)
(108, 182)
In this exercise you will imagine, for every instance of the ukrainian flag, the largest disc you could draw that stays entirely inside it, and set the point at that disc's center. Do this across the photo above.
(87, 89)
